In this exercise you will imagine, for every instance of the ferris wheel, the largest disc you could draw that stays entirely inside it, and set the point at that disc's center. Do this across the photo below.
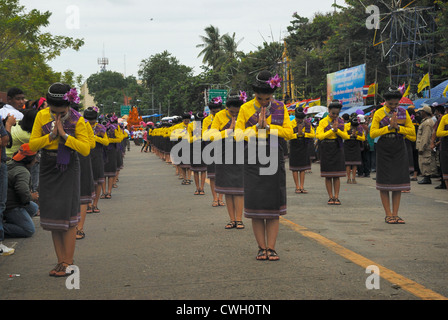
(405, 36)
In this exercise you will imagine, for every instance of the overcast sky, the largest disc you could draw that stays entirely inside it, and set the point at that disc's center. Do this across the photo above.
(133, 30)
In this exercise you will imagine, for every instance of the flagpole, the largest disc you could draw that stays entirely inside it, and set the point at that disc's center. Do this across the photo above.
(429, 76)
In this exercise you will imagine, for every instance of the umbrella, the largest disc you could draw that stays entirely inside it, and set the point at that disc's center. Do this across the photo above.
(316, 109)
(439, 101)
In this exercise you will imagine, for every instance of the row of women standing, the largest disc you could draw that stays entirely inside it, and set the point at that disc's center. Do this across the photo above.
(264, 196)
(72, 169)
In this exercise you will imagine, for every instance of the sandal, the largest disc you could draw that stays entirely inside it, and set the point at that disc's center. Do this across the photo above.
(261, 254)
(89, 209)
(215, 203)
(272, 255)
(80, 234)
(399, 220)
(303, 191)
(349, 181)
(230, 225)
(61, 270)
(95, 209)
(185, 182)
(103, 196)
(337, 202)
(114, 185)
(239, 225)
(221, 203)
(107, 196)
(330, 201)
(201, 192)
(390, 220)
(298, 191)
(196, 192)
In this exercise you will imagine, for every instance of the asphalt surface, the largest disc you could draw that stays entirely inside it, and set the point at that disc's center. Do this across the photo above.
(155, 240)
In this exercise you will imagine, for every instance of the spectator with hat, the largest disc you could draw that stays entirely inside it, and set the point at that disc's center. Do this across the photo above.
(20, 204)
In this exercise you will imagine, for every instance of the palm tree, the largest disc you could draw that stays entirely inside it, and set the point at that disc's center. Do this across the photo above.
(230, 46)
(211, 45)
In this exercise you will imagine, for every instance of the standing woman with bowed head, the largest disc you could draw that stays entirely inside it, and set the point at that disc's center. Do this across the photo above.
(198, 167)
(391, 124)
(97, 153)
(60, 132)
(299, 155)
(331, 133)
(262, 122)
(352, 147)
(229, 176)
(215, 106)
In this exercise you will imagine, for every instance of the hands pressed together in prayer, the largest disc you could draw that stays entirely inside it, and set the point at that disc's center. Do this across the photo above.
(262, 124)
(393, 121)
(58, 129)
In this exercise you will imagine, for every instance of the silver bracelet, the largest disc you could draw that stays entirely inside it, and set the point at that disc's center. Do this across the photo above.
(66, 136)
(52, 136)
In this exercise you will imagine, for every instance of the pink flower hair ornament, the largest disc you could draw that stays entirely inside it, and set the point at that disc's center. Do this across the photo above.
(243, 96)
(275, 81)
(72, 96)
(217, 100)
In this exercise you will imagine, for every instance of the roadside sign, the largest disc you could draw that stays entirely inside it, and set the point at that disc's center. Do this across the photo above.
(214, 93)
(125, 110)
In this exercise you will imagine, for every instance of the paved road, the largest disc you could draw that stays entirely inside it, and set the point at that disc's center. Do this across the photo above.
(155, 240)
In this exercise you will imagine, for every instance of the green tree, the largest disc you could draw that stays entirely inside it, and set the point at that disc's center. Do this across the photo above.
(211, 47)
(25, 50)
(110, 90)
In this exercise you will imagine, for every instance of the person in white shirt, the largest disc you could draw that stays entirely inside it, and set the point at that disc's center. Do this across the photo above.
(15, 101)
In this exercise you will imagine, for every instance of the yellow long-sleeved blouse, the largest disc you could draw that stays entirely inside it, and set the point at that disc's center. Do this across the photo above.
(310, 135)
(91, 135)
(38, 140)
(247, 110)
(406, 127)
(180, 131)
(441, 131)
(321, 134)
(362, 137)
(206, 127)
(220, 120)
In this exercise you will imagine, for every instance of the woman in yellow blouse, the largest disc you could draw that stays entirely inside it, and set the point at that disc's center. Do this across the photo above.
(197, 164)
(331, 133)
(442, 132)
(392, 123)
(60, 132)
(299, 156)
(101, 141)
(87, 191)
(261, 122)
(181, 137)
(215, 105)
(229, 172)
(352, 147)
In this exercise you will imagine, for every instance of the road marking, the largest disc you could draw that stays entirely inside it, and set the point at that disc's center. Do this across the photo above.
(387, 274)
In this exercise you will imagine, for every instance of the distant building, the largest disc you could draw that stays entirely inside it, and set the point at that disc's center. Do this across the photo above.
(87, 99)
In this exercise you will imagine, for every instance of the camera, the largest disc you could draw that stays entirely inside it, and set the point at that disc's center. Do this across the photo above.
(354, 122)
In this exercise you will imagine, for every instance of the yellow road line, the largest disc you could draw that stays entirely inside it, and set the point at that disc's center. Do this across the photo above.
(387, 274)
